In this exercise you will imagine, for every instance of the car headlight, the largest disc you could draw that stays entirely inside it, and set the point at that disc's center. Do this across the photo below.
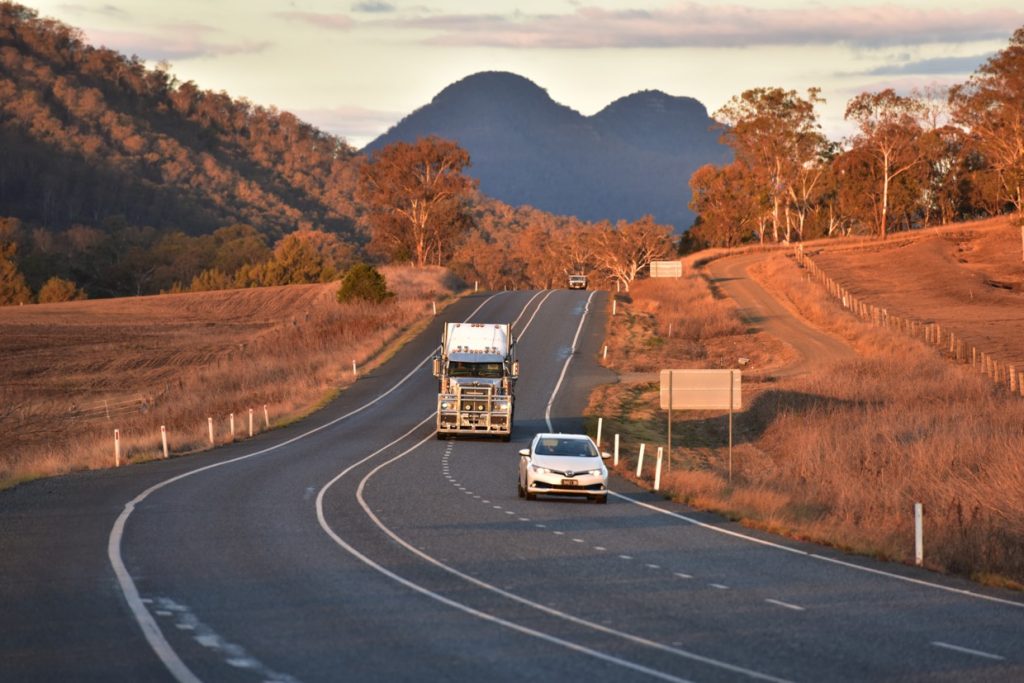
(596, 473)
(540, 470)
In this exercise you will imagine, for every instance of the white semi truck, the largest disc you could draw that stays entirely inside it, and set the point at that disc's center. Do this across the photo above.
(477, 370)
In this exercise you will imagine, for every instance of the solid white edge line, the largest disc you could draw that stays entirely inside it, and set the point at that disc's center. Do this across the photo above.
(506, 594)
(511, 596)
(967, 651)
(150, 630)
(565, 367)
(322, 519)
(815, 556)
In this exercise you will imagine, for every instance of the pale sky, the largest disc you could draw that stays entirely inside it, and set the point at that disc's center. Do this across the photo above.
(356, 67)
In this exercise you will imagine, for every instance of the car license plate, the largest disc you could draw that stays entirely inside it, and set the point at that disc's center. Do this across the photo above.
(570, 482)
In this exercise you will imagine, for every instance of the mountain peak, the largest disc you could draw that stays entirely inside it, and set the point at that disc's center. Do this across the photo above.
(656, 101)
(499, 84)
(634, 157)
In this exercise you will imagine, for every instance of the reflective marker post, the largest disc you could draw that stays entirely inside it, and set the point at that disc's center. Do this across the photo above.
(918, 534)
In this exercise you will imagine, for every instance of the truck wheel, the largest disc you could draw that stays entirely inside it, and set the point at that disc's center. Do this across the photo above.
(441, 437)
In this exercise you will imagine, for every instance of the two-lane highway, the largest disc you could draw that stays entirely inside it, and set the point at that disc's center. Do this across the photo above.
(356, 546)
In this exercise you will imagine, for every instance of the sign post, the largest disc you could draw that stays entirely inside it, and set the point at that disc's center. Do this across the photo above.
(701, 390)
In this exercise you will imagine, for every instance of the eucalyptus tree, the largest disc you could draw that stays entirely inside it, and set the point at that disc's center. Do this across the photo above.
(889, 131)
(417, 199)
(990, 105)
(775, 133)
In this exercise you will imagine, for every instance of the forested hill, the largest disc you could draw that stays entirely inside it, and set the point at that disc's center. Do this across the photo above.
(88, 135)
(632, 158)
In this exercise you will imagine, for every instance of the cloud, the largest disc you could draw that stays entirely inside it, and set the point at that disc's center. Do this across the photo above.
(373, 6)
(936, 66)
(692, 24)
(103, 10)
(172, 42)
(358, 125)
(333, 22)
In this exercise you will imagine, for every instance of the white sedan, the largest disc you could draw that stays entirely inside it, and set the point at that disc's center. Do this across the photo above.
(563, 464)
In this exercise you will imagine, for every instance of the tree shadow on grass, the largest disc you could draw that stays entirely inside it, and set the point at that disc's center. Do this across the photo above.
(749, 425)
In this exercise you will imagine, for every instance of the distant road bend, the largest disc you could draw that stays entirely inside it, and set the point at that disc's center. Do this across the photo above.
(356, 546)
(759, 307)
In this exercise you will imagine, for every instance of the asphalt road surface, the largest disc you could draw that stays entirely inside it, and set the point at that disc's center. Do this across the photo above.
(356, 546)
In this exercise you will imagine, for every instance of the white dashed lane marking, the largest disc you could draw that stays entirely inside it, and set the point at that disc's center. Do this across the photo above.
(967, 651)
(656, 567)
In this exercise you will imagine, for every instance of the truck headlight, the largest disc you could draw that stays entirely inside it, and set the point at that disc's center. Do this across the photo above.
(445, 405)
(501, 405)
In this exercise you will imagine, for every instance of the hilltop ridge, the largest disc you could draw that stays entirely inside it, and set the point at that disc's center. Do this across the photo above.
(633, 157)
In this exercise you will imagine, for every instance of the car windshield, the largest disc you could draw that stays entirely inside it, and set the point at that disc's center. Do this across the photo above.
(463, 369)
(582, 448)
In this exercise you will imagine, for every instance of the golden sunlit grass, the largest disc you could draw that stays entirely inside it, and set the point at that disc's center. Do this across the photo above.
(74, 372)
(841, 456)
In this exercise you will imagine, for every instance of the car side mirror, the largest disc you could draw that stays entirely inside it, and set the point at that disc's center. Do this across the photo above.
(605, 455)
(437, 367)
(525, 452)
(515, 369)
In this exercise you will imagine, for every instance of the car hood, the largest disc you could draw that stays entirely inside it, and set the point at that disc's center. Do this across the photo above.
(566, 463)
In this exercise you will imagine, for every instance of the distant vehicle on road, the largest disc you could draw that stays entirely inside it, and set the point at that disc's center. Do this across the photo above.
(577, 282)
(563, 464)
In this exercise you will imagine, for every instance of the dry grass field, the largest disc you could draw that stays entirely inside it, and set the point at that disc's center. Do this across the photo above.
(841, 455)
(71, 373)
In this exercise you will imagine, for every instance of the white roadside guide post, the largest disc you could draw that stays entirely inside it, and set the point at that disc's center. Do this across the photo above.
(209, 424)
(616, 460)
(117, 448)
(266, 416)
(355, 373)
(163, 438)
(434, 304)
(600, 420)
(232, 419)
(640, 460)
(918, 535)
(250, 421)
(657, 471)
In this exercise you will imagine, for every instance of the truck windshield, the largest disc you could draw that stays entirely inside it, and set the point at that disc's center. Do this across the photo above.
(463, 369)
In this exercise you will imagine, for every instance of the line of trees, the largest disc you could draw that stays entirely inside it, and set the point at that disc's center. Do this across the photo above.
(915, 160)
(419, 208)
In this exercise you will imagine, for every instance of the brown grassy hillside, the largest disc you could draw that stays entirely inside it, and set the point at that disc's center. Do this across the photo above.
(968, 278)
(840, 454)
(73, 372)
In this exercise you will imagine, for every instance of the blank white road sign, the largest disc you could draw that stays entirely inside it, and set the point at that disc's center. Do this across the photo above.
(666, 269)
(701, 389)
